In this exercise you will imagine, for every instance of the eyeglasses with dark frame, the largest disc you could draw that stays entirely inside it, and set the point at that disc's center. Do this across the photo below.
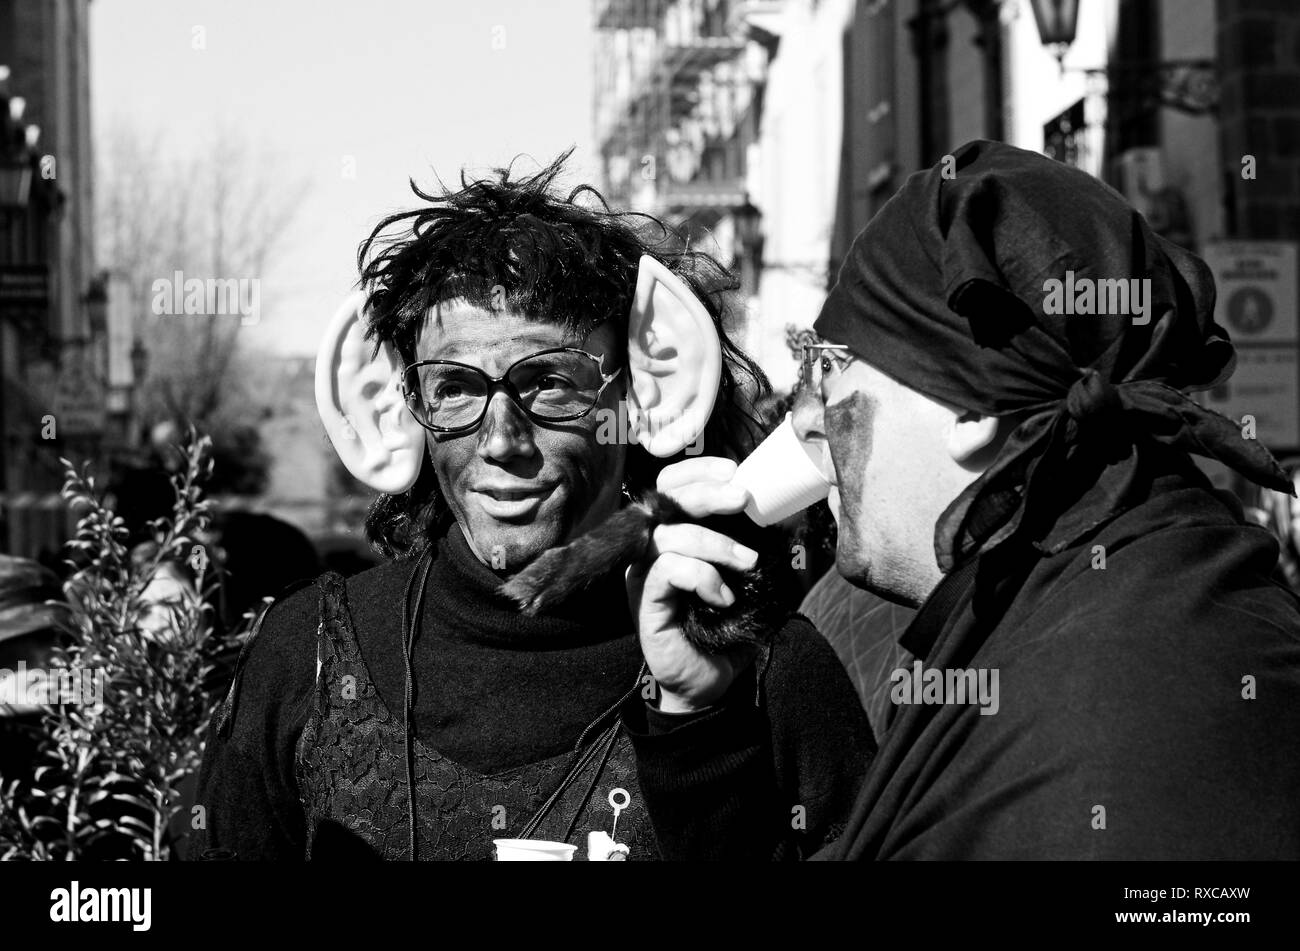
(557, 385)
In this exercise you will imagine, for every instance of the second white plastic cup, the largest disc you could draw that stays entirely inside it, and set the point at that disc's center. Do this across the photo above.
(782, 476)
(533, 850)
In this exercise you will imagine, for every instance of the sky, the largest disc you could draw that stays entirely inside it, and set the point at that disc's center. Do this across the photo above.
(352, 98)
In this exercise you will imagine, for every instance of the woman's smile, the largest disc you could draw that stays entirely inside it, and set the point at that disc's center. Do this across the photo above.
(511, 503)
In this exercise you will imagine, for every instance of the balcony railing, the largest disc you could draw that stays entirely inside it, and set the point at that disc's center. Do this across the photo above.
(627, 14)
(686, 61)
(719, 194)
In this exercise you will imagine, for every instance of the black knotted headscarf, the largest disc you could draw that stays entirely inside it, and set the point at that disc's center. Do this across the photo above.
(944, 291)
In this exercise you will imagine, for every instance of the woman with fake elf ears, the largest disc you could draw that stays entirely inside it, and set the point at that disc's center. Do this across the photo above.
(528, 371)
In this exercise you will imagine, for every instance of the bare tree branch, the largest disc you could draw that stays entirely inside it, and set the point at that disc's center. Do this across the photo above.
(220, 212)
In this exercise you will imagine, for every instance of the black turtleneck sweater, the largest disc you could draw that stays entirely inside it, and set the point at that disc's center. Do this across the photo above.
(493, 689)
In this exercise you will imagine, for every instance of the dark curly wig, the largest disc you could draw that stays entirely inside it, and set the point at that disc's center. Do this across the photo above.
(567, 259)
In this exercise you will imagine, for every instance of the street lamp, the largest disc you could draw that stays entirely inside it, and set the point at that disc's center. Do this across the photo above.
(748, 223)
(1057, 20)
(139, 361)
(97, 303)
(139, 368)
(15, 157)
(1188, 85)
(748, 220)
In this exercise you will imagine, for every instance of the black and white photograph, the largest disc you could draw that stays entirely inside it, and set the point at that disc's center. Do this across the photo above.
(750, 432)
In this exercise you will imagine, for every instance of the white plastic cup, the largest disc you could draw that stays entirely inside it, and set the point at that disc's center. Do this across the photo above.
(782, 475)
(533, 850)
(601, 848)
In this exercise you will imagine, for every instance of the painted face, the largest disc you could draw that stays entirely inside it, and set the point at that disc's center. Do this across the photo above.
(849, 434)
(887, 445)
(843, 430)
(518, 487)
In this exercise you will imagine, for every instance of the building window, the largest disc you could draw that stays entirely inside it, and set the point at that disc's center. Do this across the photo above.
(1064, 139)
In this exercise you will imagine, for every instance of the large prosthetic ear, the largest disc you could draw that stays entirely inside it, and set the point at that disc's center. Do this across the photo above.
(675, 359)
(361, 404)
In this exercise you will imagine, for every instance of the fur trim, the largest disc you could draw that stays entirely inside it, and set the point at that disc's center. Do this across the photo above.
(624, 538)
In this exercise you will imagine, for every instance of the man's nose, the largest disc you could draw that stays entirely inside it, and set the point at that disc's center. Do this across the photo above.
(506, 432)
(808, 415)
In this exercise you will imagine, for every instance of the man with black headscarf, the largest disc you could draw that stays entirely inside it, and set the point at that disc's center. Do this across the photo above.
(1101, 666)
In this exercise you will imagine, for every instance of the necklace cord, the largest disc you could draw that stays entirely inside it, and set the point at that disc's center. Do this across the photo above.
(595, 778)
(582, 762)
(408, 637)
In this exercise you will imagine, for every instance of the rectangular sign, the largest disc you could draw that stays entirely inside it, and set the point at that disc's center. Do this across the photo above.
(1256, 282)
(1257, 304)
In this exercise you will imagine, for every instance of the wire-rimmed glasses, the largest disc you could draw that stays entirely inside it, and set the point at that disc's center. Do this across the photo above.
(819, 361)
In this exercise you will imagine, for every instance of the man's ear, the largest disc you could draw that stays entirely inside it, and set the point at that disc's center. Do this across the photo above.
(675, 360)
(361, 404)
(973, 440)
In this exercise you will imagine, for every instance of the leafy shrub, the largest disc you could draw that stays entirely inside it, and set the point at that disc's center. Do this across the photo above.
(108, 775)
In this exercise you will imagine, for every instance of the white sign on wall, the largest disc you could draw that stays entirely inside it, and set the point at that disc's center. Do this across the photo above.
(1257, 303)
